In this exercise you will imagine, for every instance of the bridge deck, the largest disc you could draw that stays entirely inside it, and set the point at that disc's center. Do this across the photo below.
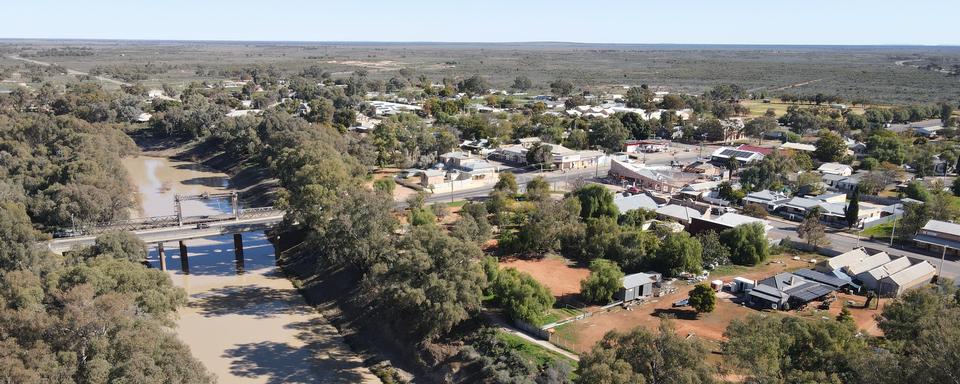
(185, 232)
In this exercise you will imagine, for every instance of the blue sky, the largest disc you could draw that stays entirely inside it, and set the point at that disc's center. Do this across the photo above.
(834, 22)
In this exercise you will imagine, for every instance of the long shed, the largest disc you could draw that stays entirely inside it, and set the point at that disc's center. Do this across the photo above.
(916, 275)
(871, 279)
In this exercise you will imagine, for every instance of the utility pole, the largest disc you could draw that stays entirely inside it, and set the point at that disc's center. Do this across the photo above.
(893, 231)
(942, 257)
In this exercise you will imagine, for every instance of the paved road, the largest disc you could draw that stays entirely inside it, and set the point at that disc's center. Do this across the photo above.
(842, 242)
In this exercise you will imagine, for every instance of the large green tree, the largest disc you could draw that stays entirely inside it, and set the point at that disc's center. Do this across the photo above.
(830, 147)
(538, 189)
(604, 281)
(596, 201)
(18, 241)
(432, 285)
(915, 216)
(703, 299)
(641, 356)
(747, 243)
(812, 230)
(521, 296)
(789, 349)
(678, 253)
(541, 155)
(852, 211)
(609, 134)
(507, 183)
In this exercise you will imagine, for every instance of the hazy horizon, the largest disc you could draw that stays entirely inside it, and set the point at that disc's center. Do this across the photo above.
(426, 42)
(746, 22)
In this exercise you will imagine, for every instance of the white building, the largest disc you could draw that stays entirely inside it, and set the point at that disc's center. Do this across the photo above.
(835, 169)
(799, 147)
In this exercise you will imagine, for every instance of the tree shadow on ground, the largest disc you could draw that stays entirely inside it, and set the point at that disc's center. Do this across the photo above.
(675, 313)
(322, 359)
(249, 300)
(208, 181)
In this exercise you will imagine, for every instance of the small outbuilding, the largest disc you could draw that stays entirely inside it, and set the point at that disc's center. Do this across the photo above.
(638, 285)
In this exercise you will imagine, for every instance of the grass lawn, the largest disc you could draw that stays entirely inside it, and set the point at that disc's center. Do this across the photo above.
(557, 314)
(758, 107)
(531, 351)
(879, 231)
(457, 204)
(728, 270)
(567, 332)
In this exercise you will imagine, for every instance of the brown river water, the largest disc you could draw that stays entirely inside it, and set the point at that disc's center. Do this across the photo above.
(252, 327)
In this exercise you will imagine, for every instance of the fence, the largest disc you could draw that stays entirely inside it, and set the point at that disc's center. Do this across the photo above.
(880, 200)
(408, 184)
(564, 343)
(808, 248)
(532, 329)
(885, 219)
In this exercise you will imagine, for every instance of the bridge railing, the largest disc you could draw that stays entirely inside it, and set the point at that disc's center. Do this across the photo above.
(250, 213)
(156, 222)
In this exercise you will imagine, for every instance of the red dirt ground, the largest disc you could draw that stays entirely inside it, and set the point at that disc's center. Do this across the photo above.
(556, 273)
(582, 335)
(708, 326)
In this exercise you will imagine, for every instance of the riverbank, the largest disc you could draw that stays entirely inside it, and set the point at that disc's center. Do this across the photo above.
(245, 326)
(256, 186)
(255, 327)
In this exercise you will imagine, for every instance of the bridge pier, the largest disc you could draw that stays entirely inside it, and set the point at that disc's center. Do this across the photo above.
(238, 251)
(184, 259)
(276, 248)
(162, 257)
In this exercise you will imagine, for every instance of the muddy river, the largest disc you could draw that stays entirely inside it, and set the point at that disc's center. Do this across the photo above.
(250, 327)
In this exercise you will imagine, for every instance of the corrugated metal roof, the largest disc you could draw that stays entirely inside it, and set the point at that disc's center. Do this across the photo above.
(799, 146)
(894, 266)
(765, 196)
(913, 273)
(638, 279)
(803, 202)
(768, 293)
(734, 219)
(820, 277)
(638, 201)
(809, 292)
(868, 264)
(943, 227)
(937, 241)
(834, 168)
(678, 212)
(847, 258)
